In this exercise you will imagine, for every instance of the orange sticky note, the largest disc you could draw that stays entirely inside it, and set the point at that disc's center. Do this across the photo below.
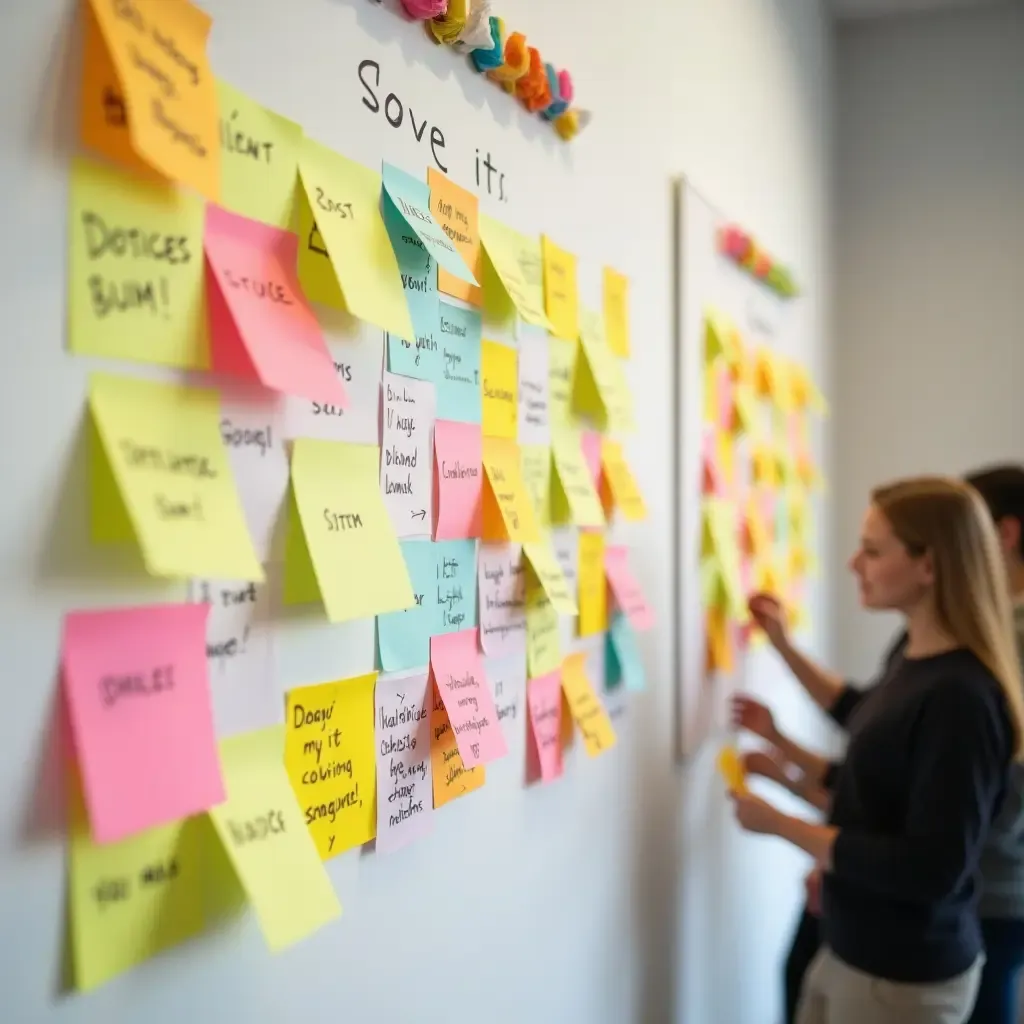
(508, 507)
(730, 767)
(457, 211)
(451, 778)
(149, 98)
(261, 326)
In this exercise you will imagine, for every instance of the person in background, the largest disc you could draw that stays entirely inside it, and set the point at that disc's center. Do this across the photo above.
(1001, 903)
(924, 774)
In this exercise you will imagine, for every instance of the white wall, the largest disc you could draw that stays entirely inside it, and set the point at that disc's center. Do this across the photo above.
(615, 896)
(930, 261)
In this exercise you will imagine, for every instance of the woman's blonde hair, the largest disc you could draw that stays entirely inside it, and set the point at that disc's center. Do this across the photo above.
(948, 520)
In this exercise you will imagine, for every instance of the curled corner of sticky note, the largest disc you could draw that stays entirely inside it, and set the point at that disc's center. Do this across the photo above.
(730, 767)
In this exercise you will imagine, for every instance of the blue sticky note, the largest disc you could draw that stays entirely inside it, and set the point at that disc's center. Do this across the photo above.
(403, 638)
(457, 384)
(454, 586)
(623, 656)
(418, 357)
(411, 198)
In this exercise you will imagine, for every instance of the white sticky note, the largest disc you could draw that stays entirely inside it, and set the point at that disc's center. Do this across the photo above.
(407, 454)
(501, 584)
(534, 416)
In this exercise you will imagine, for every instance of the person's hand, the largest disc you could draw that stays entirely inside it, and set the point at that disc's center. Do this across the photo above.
(755, 814)
(766, 763)
(812, 890)
(755, 717)
(769, 615)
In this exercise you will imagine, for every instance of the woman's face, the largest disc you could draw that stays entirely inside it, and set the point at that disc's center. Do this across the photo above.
(890, 578)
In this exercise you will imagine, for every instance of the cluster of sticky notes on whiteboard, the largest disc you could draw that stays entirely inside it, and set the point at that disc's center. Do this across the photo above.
(364, 452)
(758, 479)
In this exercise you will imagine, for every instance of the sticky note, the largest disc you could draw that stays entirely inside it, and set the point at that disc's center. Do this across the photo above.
(458, 371)
(131, 899)
(507, 677)
(565, 541)
(562, 357)
(502, 587)
(456, 210)
(590, 444)
(543, 649)
(451, 778)
(544, 704)
(629, 666)
(758, 538)
(261, 326)
(628, 595)
(730, 767)
(259, 159)
(549, 575)
(162, 94)
(593, 589)
(138, 696)
(411, 198)
(403, 637)
(575, 499)
(534, 425)
(500, 390)
(345, 254)
(458, 672)
(561, 302)
(721, 539)
(454, 591)
(535, 461)
(585, 706)
(159, 476)
(135, 269)
(515, 259)
(330, 756)
(720, 653)
(619, 486)
(600, 389)
(615, 296)
(508, 510)
(341, 547)
(407, 451)
(405, 778)
(458, 453)
(266, 839)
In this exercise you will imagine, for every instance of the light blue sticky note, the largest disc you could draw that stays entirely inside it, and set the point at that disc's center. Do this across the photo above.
(454, 585)
(403, 638)
(418, 357)
(457, 384)
(624, 664)
(411, 197)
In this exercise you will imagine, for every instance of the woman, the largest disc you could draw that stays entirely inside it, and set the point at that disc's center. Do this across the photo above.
(924, 772)
(1001, 906)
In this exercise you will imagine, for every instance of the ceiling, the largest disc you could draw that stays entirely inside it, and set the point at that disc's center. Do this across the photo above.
(881, 8)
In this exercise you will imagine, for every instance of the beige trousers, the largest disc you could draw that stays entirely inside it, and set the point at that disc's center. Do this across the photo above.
(835, 993)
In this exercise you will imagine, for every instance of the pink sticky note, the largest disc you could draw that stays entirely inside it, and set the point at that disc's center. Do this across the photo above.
(544, 702)
(458, 450)
(590, 441)
(459, 675)
(138, 696)
(261, 326)
(628, 595)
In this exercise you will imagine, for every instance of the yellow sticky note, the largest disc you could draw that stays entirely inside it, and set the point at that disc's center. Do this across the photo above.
(721, 339)
(616, 311)
(160, 476)
(561, 302)
(561, 375)
(721, 540)
(515, 260)
(720, 652)
(345, 254)
(500, 390)
(508, 506)
(259, 159)
(725, 457)
(160, 103)
(536, 466)
(543, 646)
(329, 754)
(341, 547)
(744, 419)
(265, 836)
(575, 499)
(457, 211)
(135, 269)
(600, 389)
(592, 584)
(585, 706)
(549, 574)
(764, 465)
(730, 767)
(130, 900)
(759, 541)
(623, 491)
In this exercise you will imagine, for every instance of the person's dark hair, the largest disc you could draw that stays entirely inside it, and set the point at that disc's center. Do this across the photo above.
(1002, 489)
